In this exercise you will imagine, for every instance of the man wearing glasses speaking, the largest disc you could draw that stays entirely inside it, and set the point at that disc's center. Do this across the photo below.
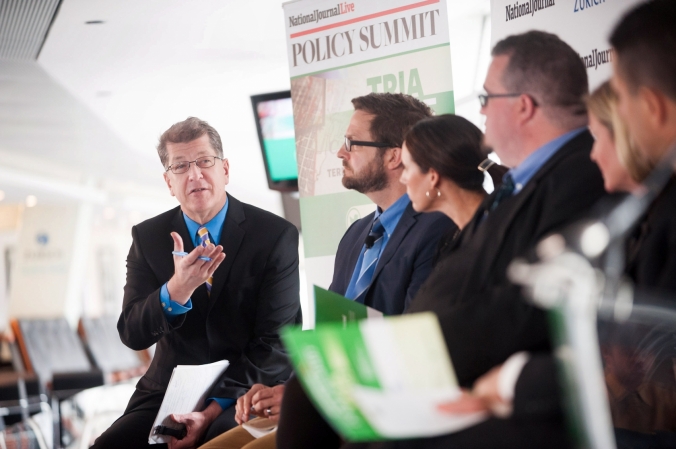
(210, 280)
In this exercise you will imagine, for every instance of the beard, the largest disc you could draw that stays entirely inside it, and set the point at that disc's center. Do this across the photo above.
(371, 179)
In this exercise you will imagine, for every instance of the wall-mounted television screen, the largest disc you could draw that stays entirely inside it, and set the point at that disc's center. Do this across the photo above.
(274, 121)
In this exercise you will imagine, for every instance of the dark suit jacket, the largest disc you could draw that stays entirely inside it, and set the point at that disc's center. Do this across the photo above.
(255, 292)
(537, 393)
(651, 258)
(404, 265)
(483, 316)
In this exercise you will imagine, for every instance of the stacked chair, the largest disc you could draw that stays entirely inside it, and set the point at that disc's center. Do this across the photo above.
(22, 405)
(61, 364)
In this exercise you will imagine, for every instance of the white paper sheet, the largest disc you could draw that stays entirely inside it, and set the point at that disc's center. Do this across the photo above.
(405, 414)
(260, 427)
(186, 393)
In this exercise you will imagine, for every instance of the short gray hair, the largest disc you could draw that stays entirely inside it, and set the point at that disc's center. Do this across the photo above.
(548, 69)
(186, 131)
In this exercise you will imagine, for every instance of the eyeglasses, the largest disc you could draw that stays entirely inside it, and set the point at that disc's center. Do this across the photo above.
(483, 98)
(184, 166)
(349, 143)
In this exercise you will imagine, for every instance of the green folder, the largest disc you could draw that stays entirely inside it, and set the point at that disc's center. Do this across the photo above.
(331, 307)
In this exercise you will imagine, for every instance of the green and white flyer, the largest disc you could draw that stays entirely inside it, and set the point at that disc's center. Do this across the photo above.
(379, 379)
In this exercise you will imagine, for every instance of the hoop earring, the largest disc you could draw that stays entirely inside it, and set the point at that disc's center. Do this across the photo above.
(427, 194)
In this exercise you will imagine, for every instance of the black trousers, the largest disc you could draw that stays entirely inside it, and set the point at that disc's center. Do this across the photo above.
(300, 424)
(301, 427)
(494, 433)
(132, 429)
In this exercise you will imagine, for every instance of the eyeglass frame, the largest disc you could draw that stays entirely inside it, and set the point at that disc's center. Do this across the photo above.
(483, 98)
(349, 142)
(193, 162)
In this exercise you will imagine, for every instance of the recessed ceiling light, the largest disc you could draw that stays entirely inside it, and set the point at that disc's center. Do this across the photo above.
(94, 22)
(31, 200)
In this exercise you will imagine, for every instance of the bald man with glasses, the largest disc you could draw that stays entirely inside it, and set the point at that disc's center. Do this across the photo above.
(213, 279)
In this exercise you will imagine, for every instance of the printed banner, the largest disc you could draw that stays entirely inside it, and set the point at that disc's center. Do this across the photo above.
(50, 262)
(584, 24)
(338, 51)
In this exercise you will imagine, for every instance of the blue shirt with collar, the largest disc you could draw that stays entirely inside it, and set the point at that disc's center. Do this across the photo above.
(171, 308)
(389, 219)
(215, 227)
(534, 162)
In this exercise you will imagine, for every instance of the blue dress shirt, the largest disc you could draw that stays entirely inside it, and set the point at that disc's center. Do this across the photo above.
(389, 219)
(214, 226)
(534, 162)
(171, 308)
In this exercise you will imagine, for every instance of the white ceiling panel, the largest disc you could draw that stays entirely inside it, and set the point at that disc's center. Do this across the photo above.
(23, 26)
(101, 93)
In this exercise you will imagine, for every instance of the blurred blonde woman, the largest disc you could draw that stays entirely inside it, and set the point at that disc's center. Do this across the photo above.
(622, 166)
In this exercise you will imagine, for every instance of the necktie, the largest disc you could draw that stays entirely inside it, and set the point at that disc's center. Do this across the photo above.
(504, 192)
(373, 243)
(203, 239)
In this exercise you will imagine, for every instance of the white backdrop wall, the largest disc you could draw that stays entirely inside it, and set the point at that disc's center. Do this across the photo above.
(584, 24)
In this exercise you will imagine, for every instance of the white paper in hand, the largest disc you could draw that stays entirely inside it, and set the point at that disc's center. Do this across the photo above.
(260, 427)
(186, 393)
(403, 414)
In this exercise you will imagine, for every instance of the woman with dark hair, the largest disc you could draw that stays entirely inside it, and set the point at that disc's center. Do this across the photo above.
(441, 157)
(444, 165)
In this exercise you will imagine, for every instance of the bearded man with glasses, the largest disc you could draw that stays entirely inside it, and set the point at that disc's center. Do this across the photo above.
(212, 279)
(404, 239)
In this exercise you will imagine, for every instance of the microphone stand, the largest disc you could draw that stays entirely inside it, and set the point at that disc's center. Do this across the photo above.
(567, 282)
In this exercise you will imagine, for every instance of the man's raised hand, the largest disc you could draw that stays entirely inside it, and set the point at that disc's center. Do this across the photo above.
(190, 271)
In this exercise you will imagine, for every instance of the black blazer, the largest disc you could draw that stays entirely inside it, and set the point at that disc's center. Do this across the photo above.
(483, 315)
(255, 292)
(404, 265)
(537, 393)
(651, 250)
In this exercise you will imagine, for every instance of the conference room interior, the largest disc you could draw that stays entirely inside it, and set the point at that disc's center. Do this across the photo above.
(86, 90)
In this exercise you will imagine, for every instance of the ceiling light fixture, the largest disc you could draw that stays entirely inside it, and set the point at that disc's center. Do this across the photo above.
(31, 201)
